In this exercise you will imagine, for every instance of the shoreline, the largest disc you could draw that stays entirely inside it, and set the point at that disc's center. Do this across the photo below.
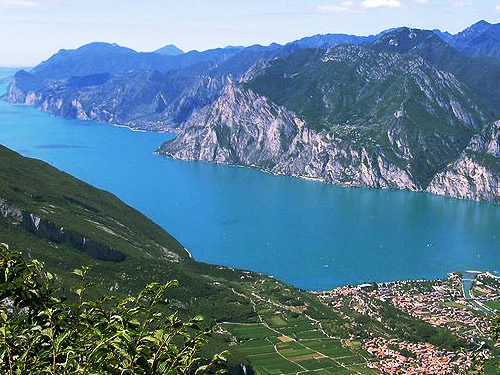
(171, 130)
(404, 280)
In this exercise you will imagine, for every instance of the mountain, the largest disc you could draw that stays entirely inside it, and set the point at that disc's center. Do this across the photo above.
(476, 173)
(98, 57)
(169, 50)
(372, 115)
(479, 40)
(322, 41)
(391, 111)
(66, 223)
(89, 59)
(54, 206)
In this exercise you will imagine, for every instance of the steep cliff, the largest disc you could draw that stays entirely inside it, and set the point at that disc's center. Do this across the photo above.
(55, 233)
(244, 128)
(476, 173)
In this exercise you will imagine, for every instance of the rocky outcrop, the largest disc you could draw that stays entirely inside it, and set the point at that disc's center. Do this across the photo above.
(244, 128)
(240, 127)
(476, 173)
(53, 232)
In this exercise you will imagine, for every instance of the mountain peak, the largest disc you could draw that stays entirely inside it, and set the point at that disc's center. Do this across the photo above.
(474, 30)
(103, 47)
(480, 39)
(169, 50)
(481, 23)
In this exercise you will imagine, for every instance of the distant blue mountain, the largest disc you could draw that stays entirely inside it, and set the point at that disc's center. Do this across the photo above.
(479, 40)
(99, 58)
(169, 50)
(89, 59)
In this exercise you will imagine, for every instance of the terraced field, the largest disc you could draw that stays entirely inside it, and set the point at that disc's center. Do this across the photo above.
(296, 346)
(287, 343)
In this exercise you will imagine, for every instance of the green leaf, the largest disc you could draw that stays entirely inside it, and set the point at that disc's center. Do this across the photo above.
(78, 272)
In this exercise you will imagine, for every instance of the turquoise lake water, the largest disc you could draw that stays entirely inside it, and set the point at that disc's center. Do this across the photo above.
(312, 235)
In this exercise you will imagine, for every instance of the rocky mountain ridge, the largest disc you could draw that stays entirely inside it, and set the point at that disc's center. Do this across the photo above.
(242, 127)
(476, 173)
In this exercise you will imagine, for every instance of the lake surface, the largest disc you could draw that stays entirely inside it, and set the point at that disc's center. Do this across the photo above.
(312, 235)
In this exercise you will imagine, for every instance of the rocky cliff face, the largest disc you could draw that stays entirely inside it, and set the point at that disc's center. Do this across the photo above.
(476, 173)
(244, 128)
(50, 231)
(99, 97)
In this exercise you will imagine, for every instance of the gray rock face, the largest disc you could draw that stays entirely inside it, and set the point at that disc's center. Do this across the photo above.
(476, 173)
(333, 159)
(244, 128)
(240, 127)
(50, 231)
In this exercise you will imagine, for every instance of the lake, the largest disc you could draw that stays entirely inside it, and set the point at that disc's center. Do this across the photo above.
(312, 235)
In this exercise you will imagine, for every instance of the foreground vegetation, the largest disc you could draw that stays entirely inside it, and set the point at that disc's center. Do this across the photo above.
(40, 333)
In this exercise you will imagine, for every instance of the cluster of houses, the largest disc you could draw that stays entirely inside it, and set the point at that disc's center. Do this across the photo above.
(402, 357)
(441, 303)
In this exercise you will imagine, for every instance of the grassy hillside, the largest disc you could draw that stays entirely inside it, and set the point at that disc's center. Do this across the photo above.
(40, 189)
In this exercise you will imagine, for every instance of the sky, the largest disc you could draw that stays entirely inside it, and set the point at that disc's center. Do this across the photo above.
(32, 30)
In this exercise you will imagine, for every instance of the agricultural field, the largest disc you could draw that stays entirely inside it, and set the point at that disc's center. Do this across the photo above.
(333, 332)
(296, 346)
(494, 305)
(284, 342)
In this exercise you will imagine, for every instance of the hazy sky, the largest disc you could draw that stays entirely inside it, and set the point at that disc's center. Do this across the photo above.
(32, 30)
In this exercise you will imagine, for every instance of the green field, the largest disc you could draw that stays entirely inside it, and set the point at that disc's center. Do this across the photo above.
(495, 305)
(284, 345)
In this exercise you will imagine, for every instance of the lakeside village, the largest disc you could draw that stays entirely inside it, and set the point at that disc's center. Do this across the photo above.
(464, 303)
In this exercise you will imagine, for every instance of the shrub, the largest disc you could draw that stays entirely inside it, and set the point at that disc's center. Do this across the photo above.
(42, 333)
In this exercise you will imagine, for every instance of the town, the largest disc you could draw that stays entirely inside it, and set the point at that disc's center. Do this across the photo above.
(463, 303)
